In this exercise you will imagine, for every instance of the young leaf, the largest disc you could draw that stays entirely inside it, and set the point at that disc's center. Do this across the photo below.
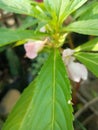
(57, 6)
(8, 36)
(70, 8)
(40, 12)
(75, 4)
(90, 60)
(89, 46)
(88, 11)
(45, 104)
(89, 27)
(16, 6)
(63, 8)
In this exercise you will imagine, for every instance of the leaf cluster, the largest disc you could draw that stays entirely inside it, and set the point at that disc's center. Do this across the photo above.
(45, 104)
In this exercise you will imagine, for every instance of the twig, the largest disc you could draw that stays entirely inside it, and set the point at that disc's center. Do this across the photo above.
(88, 119)
(77, 114)
(84, 101)
(71, 44)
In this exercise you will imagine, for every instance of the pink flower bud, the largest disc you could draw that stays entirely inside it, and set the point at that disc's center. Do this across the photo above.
(76, 71)
(67, 55)
(32, 48)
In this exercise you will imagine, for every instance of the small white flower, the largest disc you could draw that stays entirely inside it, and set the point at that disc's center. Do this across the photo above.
(33, 47)
(76, 71)
(67, 56)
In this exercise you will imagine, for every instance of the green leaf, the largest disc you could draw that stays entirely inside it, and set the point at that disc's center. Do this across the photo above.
(28, 7)
(28, 22)
(88, 11)
(13, 62)
(91, 13)
(57, 6)
(8, 36)
(89, 27)
(44, 105)
(91, 45)
(16, 6)
(90, 60)
(62, 8)
(70, 8)
(40, 12)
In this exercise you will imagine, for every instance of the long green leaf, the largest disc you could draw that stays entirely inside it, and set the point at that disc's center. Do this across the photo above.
(70, 8)
(16, 6)
(88, 46)
(40, 12)
(75, 4)
(89, 27)
(9, 36)
(28, 22)
(90, 60)
(45, 104)
(88, 11)
(57, 6)
(63, 8)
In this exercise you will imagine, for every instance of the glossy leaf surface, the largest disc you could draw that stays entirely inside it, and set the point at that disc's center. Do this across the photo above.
(45, 104)
(28, 22)
(63, 8)
(90, 60)
(74, 5)
(89, 27)
(9, 36)
(88, 11)
(57, 6)
(16, 6)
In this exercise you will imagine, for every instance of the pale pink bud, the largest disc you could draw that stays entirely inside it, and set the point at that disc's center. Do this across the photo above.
(76, 71)
(68, 52)
(33, 47)
(67, 55)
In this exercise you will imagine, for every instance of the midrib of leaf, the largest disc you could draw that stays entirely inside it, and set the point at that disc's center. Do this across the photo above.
(53, 99)
(54, 92)
(58, 15)
(86, 59)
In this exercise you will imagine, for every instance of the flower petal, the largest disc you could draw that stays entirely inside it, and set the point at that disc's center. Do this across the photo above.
(32, 48)
(77, 71)
(67, 56)
(83, 71)
(67, 52)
